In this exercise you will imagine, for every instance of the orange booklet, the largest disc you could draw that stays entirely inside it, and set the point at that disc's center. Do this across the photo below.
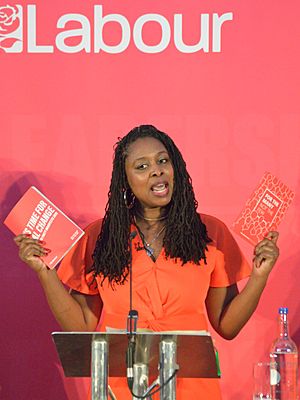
(264, 210)
(37, 216)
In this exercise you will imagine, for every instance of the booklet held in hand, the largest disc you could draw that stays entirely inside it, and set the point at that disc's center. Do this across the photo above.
(37, 216)
(264, 210)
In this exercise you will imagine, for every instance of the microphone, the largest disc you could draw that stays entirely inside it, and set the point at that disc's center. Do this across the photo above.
(131, 322)
(133, 314)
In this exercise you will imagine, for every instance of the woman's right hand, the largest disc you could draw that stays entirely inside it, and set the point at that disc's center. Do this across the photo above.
(31, 251)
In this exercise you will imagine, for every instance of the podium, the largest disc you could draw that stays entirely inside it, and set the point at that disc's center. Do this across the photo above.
(159, 356)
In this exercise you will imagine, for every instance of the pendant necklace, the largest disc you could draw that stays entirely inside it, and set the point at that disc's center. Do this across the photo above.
(148, 246)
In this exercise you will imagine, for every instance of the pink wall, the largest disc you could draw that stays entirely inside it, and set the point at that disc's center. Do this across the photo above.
(234, 114)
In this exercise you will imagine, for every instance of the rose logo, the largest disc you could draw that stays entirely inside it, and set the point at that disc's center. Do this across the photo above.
(9, 23)
(9, 20)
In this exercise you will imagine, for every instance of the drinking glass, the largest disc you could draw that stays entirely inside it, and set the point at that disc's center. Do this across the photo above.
(262, 381)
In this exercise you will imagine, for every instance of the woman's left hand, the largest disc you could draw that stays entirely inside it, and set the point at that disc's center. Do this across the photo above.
(266, 253)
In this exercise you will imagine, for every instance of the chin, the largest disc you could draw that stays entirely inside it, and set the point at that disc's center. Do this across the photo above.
(162, 203)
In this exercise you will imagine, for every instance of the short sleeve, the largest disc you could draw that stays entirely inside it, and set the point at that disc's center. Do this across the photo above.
(230, 265)
(75, 269)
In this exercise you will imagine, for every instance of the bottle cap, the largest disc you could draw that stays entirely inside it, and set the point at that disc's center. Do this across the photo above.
(283, 310)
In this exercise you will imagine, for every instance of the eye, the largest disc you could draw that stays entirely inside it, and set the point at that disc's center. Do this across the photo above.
(141, 166)
(163, 160)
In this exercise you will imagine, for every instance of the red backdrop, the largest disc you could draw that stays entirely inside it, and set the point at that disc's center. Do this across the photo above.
(234, 113)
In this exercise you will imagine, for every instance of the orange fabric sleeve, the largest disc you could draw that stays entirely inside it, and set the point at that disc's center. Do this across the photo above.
(230, 264)
(74, 270)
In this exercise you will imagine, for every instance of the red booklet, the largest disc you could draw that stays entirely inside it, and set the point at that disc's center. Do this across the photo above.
(37, 216)
(264, 210)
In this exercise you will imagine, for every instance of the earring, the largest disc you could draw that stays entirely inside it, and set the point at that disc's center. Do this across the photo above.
(131, 204)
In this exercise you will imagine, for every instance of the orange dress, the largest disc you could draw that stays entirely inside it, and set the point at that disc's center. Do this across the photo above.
(168, 296)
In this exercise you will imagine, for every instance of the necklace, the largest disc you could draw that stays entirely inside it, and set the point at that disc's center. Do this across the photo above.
(148, 246)
(151, 219)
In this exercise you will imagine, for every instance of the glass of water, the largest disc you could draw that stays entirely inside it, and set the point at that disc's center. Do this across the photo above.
(262, 381)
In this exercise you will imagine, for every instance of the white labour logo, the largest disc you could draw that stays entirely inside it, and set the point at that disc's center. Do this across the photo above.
(210, 32)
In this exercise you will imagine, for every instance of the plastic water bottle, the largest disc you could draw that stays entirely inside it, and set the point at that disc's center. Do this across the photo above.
(284, 362)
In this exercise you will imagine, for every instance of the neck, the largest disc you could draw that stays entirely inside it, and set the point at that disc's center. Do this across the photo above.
(150, 219)
(151, 215)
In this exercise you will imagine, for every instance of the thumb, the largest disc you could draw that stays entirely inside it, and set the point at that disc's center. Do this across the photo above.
(273, 236)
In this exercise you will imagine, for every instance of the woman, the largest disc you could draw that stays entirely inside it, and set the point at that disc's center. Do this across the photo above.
(183, 263)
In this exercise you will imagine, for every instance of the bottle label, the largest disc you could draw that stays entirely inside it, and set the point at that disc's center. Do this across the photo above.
(274, 376)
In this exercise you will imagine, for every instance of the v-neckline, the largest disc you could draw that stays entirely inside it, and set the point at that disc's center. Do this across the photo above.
(137, 242)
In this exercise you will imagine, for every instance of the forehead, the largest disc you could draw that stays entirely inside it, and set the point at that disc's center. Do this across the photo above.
(145, 147)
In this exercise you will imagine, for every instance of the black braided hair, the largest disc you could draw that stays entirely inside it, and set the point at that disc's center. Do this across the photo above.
(185, 235)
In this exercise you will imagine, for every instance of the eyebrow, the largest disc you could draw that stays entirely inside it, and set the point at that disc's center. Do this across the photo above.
(157, 154)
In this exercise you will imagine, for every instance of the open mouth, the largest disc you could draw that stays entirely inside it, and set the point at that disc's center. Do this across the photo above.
(159, 188)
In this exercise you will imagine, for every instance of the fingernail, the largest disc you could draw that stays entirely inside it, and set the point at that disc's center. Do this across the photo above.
(47, 250)
(42, 241)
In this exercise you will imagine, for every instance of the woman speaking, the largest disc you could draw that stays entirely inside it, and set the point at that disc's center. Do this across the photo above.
(185, 265)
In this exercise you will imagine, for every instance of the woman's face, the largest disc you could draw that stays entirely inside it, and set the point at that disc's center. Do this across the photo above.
(150, 172)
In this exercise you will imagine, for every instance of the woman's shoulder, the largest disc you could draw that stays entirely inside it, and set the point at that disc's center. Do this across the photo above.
(211, 221)
(86, 245)
(216, 228)
(94, 225)
(92, 230)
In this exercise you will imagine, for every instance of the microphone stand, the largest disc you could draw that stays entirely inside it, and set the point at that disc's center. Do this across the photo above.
(132, 319)
(131, 323)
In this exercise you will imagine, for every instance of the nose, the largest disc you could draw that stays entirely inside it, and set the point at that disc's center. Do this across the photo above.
(157, 170)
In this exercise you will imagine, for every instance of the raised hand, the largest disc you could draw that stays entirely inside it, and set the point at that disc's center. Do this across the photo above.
(31, 252)
(266, 253)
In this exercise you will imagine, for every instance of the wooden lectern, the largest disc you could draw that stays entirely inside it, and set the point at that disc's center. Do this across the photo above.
(159, 356)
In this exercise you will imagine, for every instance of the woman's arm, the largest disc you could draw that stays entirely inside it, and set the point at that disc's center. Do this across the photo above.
(227, 309)
(73, 311)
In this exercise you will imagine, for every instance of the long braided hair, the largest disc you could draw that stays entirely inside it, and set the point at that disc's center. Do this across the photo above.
(185, 235)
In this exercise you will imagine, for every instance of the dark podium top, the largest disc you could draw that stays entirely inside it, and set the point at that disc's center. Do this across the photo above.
(195, 352)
